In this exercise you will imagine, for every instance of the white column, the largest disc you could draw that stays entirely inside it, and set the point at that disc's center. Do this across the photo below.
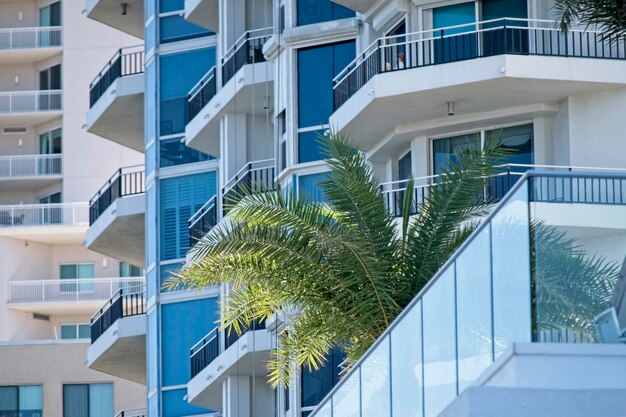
(234, 152)
(236, 396)
(420, 157)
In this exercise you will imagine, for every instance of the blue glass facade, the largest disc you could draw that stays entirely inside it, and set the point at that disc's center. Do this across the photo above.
(179, 181)
(317, 11)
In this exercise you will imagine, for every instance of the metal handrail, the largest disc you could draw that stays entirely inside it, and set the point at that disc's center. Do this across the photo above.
(197, 86)
(125, 62)
(379, 41)
(267, 163)
(131, 169)
(203, 342)
(265, 32)
(139, 289)
(126, 181)
(129, 50)
(198, 214)
(19, 166)
(31, 37)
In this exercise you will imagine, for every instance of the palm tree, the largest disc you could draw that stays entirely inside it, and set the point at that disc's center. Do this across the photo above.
(609, 15)
(344, 265)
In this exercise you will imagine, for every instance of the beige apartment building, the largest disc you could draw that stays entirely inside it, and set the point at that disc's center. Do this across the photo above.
(50, 168)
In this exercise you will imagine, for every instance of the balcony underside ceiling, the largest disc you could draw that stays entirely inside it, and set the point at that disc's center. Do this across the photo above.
(118, 114)
(28, 183)
(403, 104)
(27, 55)
(244, 93)
(119, 231)
(52, 234)
(28, 119)
(204, 13)
(121, 350)
(59, 307)
(110, 13)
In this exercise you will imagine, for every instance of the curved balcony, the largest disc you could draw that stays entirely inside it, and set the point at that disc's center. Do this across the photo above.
(118, 335)
(29, 45)
(242, 67)
(116, 99)
(75, 296)
(402, 81)
(116, 216)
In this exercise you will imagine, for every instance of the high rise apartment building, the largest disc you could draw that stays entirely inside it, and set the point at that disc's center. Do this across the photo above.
(227, 93)
(50, 167)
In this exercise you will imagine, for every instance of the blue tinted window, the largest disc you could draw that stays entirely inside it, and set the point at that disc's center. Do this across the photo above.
(308, 185)
(317, 383)
(174, 404)
(316, 69)
(309, 146)
(182, 326)
(180, 72)
(180, 197)
(171, 5)
(174, 152)
(176, 28)
(168, 271)
(316, 11)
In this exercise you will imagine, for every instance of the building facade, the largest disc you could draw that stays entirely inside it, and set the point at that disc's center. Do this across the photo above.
(49, 169)
(226, 94)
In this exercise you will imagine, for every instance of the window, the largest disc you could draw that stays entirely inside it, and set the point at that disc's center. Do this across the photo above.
(75, 331)
(176, 28)
(88, 400)
(21, 401)
(174, 152)
(77, 271)
(317, 11)
(317, 383)
(180, 198)
(179, 72)
(128, 270)
(50, 78)
(404, 167)
(316, 69)
(50, 15)
(309, 186)
(50, 142)
(54, 213)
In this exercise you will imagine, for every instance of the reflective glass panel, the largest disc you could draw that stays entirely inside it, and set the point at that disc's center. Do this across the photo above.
(346, 400)
(375, 382)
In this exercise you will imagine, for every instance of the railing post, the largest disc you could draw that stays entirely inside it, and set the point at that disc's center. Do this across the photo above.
(43, 291)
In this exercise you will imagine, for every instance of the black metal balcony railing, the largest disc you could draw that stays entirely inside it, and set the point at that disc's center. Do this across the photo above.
(125, 182)
(254, 177)
(126, 302)
(248, 49)
(125, 62)
(495, 188)
(208, 348)
(202, 93)
(202, 221)
(476, 40)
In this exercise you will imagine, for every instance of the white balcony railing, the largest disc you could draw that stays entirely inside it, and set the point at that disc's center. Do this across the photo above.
(16, 166)
(26, 38)
(83, 289)
(30, 101)
(44, 215)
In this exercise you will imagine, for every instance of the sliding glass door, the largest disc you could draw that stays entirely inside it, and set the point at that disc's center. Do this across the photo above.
(456, 43)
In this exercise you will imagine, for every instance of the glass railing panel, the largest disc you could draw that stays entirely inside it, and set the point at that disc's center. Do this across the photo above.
(325, 410)
(346, 401)
(474, 332)
(440, 381)
(579, 257)
(510, 242)
(406, 364)
(375, 382)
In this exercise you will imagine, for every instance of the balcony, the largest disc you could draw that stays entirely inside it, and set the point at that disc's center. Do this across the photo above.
(29, 45)
(46, 223)
(116, 99)
(116, 217)
(66, 296)
(242, 67)
(127, 16)
(360, 6)
(525, 304)
(118, 336)
(403, 82)
(254, 177)
(25, 108)
(30, 171)
(204, 13)
(221, 354)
